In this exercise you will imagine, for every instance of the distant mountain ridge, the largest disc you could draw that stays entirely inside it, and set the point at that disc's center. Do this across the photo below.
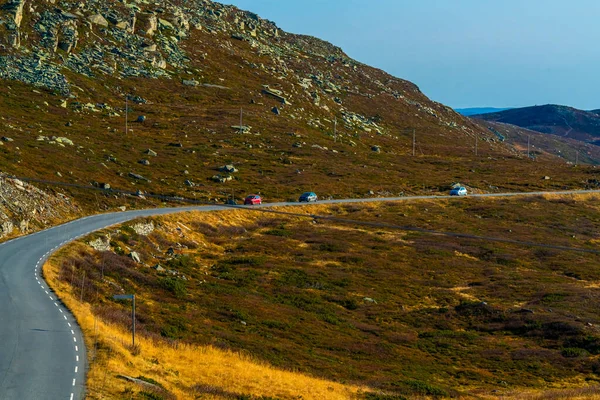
(467, 112)
(551, 119)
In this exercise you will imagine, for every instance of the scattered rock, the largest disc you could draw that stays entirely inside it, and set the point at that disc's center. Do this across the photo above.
(222, 179)
(138, 177)
(228, 168)
(143, 229)
(141, 118)
(376, 149)
(135, 257)
(190, 82)
(144, 162)
(242, 128)
(275, 110)
(151, 153)
(98, 19)
(100, 244)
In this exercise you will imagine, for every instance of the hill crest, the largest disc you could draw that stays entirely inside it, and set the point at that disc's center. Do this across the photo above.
(551, 119)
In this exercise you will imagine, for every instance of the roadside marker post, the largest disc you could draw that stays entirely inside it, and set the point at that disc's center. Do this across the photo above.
(129, 297)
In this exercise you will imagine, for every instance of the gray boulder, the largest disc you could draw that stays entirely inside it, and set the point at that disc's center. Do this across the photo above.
(98, 19)
(135, 257)
(100, 244)
(143, 228)
(138, 177)
(228, 168)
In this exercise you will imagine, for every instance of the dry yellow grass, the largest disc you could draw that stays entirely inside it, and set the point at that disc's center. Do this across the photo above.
(185, 371)
(190, 371)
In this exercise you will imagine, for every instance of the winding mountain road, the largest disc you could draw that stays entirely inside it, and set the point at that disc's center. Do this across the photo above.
(42, 353)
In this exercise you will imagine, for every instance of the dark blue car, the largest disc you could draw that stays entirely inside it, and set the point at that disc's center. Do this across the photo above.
(459, 191)
(308, 197)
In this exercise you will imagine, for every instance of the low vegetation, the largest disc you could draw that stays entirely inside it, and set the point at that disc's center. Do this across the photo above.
(386, 313)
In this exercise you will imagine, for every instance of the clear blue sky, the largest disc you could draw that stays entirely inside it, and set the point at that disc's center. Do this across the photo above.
(463, 53)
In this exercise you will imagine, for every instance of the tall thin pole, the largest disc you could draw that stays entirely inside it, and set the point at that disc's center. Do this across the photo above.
(133, 322)
(335, 129)
(241, 120)
(475, 145)
(577, 158)
(528, 137)
(414, 141)
(126, 112)
(82, 283)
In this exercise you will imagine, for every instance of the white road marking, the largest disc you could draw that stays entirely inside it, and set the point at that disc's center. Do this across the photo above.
(62, 311)
(65, 317)
(51, 298)
(46, 291)
(76, 368)
(75, 339)
(72, 332)
(56, 304)
(69, 325)
(71, 398)
(77, 358)
(73, 381)
(76, 348)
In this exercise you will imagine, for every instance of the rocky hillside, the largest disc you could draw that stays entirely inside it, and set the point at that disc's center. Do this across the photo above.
(25, 208)
(202, 100)
(552, 119)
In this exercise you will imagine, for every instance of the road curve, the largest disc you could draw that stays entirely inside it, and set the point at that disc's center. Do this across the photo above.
(42, 353)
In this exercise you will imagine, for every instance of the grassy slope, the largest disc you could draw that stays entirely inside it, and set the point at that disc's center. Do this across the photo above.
(201, 118)
(452, 315)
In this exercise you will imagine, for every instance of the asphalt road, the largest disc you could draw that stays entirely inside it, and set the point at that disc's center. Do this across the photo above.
(42, 355)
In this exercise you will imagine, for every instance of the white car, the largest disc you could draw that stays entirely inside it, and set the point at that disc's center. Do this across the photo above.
(459, 191)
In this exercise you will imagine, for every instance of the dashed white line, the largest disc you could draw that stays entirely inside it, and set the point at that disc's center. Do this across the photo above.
(75, 339)
(71, 398)
(76, 368)
(65, 317)
(77, 358)
(51, 298)
(61, 312)
(46, 291)
(56, 304)
(73, 381)
(72, 332)
(68, 323)
(76, 348)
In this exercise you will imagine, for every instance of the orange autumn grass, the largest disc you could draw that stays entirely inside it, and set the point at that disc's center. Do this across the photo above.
(185, 371)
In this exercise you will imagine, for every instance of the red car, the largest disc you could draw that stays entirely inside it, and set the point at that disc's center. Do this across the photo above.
(252, 200)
